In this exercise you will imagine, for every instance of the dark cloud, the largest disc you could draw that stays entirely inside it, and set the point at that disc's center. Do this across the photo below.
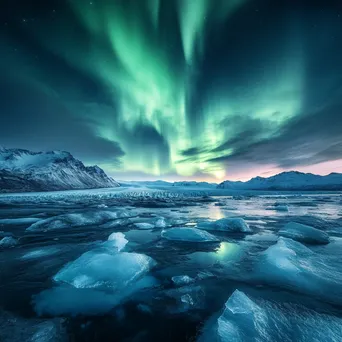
(304, 140)
(40, 120)
(247, 130)
(193, 151)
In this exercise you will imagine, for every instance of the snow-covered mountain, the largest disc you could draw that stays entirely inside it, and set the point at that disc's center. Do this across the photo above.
(23, 170)
(292, 180)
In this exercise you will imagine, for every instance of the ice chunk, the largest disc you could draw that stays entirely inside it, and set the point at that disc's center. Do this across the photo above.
(177, 222)
(233, 225)
(8, 241)
(243, 320)
(188, 234)
(281, 207)
(252, 319)
(68, 300)
(304, 233)
(144, 225)
(78, 219)
(289, 264)
(182, 280)
(187, 299)
(118, 240)
(101, 269)
(96, 282)
(160, 222)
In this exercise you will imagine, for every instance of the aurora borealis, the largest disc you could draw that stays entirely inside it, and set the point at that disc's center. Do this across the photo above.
(197, 89)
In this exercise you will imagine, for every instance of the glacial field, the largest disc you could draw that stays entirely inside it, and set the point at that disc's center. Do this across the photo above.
(146, 264)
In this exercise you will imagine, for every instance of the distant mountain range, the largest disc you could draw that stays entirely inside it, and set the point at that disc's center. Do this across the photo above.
(23, 170)
(195, 184)
(292, 180)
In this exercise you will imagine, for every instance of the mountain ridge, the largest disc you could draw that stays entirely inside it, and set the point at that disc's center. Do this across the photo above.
(24, 170)
(288, 180)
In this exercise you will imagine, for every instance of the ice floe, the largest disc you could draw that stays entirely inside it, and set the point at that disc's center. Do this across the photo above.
(8, 241)
(160, 222)
(304, 233)
(144, 225)
(233, 225)
(96, 282)
(244, 320)
(78, 219)
(188, 234)
(291, 265)
(99, 269)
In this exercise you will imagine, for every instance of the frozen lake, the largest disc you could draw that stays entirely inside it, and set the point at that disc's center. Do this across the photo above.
(158, 265)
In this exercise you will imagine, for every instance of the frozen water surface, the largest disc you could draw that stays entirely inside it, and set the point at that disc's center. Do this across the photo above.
(144, 264)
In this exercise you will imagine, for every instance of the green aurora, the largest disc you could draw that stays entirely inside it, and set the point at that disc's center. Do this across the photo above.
(182, 79)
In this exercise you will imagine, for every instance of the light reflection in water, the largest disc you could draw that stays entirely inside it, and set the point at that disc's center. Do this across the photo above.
(226, 250)
(226, 253)
(215, 212)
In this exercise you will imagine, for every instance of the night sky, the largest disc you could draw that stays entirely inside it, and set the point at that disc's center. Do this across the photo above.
(175, 89)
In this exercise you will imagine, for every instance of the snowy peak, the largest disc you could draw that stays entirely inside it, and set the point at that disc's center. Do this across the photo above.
(24, 170)
(292, 180)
